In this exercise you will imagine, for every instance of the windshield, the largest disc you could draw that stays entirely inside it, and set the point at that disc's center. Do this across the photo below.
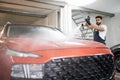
(16, 31)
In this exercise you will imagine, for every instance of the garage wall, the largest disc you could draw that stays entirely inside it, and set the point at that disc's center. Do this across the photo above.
(51, 20)
(75, 30)
(40, 21)
(78, 30)
(17, 19)
(113, 37)
(113, 24)
(4, 17)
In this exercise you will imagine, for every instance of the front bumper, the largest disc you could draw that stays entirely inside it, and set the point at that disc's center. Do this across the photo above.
(99, 67)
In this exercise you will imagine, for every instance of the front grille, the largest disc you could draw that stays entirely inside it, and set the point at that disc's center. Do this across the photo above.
(99, 67)
(23, 79)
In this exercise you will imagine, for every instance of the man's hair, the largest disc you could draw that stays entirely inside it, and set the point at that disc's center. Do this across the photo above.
(99, 17)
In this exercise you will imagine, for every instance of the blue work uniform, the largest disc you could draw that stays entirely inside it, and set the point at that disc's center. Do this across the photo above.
(98, 38)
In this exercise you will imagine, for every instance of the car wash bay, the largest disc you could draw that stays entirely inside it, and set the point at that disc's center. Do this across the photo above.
(67, 18)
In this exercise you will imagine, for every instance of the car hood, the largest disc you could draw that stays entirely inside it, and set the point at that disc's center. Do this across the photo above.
(31, 45)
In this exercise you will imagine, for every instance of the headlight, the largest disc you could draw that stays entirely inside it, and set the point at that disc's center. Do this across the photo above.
(20, 54)
(31, 71)
(17, 71)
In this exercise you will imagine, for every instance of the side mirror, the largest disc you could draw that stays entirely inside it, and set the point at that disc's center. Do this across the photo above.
(2, 42)
(1, 33)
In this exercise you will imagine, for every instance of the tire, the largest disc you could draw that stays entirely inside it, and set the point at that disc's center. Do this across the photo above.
(117, 62)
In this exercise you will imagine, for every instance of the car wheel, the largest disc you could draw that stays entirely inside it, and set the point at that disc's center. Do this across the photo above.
(117, 62)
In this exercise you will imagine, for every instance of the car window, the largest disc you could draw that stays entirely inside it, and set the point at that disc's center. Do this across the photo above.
(34, 32)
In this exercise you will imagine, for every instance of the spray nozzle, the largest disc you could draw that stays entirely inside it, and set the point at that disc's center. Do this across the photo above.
(88, 20)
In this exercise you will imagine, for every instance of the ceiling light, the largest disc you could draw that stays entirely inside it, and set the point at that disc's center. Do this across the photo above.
(80, 2)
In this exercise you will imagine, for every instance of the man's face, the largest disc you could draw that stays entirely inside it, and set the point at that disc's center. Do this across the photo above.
(98, 21)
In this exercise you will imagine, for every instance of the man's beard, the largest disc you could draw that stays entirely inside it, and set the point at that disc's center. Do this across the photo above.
(98, 23)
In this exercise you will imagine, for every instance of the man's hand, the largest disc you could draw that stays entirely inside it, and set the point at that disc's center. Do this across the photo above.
(92, 26)
(88, 20)
(89, 26)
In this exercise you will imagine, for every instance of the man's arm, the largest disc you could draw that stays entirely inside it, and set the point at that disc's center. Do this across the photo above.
(92, 26)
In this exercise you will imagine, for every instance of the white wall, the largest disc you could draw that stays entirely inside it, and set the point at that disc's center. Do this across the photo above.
(113, 25)
(66, 19)
(77, 28)
(113, 34)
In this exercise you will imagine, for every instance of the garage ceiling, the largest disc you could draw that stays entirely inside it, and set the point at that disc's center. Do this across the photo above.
(41, 8)
(29, 7)
(27, 11)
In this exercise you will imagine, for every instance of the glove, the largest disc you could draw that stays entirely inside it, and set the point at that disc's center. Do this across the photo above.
(88, 20)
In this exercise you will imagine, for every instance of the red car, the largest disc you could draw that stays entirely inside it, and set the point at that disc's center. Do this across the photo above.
(29, 52)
